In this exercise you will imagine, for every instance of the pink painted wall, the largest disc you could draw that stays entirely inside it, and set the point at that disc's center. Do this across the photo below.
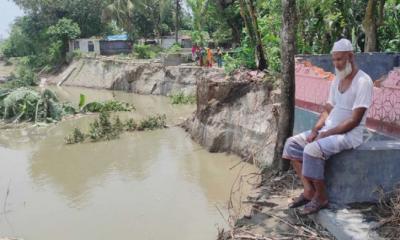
(312, 89)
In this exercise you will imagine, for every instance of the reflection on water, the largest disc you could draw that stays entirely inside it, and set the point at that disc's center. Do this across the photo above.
(147, 185)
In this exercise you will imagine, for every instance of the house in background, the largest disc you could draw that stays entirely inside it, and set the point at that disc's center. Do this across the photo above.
(165, 42)
(85, 45)
(114, 44)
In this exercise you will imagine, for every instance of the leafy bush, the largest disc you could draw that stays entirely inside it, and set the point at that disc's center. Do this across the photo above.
(144, 51)
(181, 98)
(25, 77)
(242, 56)
(105, 129)
(130, 125)
(230, 63)
(118, 126)
(75, 55)
(76, 137)
(175, 48)
(152, 123)
(107, 106)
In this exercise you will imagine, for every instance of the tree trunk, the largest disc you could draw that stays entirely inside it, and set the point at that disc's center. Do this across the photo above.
(177, 21)
(236, 31)
(372, 20)
(286, 113)
(249, 16)
(247, 23)
(260, 53)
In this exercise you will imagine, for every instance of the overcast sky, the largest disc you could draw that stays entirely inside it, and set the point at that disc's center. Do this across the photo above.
(8, 13)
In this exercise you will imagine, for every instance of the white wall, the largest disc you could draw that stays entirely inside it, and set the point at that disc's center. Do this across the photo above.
(84, 45)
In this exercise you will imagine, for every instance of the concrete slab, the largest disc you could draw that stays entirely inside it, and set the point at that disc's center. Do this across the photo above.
(357, 175)
(346, 224)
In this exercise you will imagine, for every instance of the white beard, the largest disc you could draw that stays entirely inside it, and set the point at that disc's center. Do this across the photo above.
(345, 72)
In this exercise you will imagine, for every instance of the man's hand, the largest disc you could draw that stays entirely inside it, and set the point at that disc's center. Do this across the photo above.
(313, 135)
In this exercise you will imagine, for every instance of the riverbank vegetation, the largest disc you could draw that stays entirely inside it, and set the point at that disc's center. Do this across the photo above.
(24, 104)
(105, 128)
(182, 98)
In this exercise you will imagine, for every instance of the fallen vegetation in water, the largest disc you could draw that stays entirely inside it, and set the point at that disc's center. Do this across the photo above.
(25, 104)
(28, 105)
(104, 128)
(181, 98)
(108, 106)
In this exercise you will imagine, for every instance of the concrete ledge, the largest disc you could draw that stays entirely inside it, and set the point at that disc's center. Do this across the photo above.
(356, 175)
(346, 224)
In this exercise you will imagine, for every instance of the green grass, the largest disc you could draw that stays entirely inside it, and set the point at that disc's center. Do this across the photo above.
(181, 98)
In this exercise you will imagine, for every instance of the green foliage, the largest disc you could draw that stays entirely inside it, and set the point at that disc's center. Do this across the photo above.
(82, 100)
(200, 37)
(77, 136)
(242, 56)
(107, 106)
(104, 129)
(74, 55)
(389, 32)
(40, 43)
(181, 98)
(118, 126)
(130, 125)
(230, 63)
(19, 43)
(152, 123)
(24, 104)
(175, 48)
(65, 29)
(25, 77)
(142, 19)
(144, 51)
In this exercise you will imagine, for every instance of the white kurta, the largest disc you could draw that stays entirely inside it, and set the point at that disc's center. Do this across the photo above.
(358, 95)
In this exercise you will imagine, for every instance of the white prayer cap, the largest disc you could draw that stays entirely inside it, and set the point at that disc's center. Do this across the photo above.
(343, 45)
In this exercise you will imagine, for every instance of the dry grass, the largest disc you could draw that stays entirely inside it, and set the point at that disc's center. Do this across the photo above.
(267, 185)
(389, 214)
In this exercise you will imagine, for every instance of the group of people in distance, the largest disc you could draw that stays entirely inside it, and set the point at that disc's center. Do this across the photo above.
(205, 56)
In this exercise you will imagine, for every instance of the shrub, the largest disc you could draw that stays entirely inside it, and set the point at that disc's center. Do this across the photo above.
(175, 48)
(25, 77)
(76, 137)
(103, 129)
(130, 125)
(152, 123)
(144, 51)
(107, 106)
(75, 55)
(242, 57)
(181, 98)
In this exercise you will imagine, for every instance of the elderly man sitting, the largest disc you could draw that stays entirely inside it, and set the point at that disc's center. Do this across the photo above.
(339, 127)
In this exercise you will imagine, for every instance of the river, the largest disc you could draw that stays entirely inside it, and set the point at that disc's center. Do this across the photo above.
(144, 185)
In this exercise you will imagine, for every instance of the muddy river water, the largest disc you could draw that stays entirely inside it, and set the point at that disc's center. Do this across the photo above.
(145, 185)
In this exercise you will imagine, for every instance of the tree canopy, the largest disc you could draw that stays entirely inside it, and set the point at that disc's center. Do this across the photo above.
(251, 27)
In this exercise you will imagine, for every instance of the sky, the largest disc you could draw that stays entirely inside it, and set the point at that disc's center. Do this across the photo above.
(9, 11)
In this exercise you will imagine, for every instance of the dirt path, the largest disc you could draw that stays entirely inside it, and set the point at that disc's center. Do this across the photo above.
(268, 216)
